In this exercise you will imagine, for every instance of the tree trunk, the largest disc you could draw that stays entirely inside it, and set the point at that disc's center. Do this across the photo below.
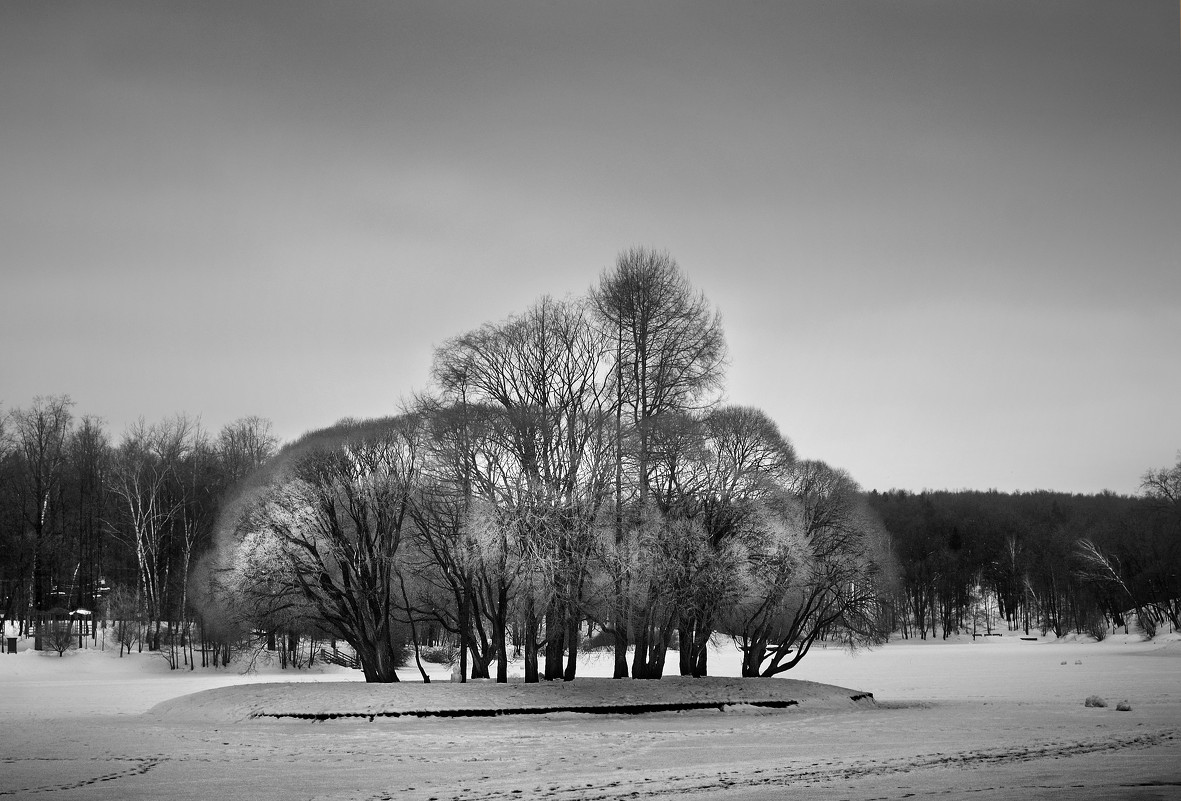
(685, 660)
(530, 637)
(500, 636)
(640, 656)
(572, 635)
(465, 634)
(620, 632)
(479, 662)
(752, 657)
(554, 637)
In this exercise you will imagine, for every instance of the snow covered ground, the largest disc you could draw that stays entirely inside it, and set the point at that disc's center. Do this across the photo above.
(998, 718)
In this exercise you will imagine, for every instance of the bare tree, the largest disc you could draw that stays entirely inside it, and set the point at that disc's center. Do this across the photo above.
(124, 608)
(820, 569)
(1106, 570)
(147, 483)
(338, 515)
(1163, 488)
(221, 481)
(669, 356)
(59, 636)
(466, 570)
(670, 351)
(542, 382)
(41, 433)
(1164, 485)
(15, 575)
(88, 495)
(243, 445)
(200, 480)
(743, 461)
(1133, 565)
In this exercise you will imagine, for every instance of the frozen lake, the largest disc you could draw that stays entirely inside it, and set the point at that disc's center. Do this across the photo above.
(999, 718)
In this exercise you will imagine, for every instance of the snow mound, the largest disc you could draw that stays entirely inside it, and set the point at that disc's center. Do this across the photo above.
(331, 700)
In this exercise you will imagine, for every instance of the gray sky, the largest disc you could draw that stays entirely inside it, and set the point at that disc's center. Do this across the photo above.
(945, 237)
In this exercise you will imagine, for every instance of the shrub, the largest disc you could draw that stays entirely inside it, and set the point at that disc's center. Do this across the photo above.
(601, 641)
(59, 636)
(1094, 700)
(1096, 626)
(445, 654)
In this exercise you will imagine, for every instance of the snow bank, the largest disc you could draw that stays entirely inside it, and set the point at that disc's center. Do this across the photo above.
(486, 699)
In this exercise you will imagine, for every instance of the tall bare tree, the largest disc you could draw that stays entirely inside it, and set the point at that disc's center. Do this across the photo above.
(13, 575)
(669, 356)
(89, 457)
(41, 433)
(147, 482)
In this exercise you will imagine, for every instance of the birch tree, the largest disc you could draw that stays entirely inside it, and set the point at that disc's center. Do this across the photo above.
(146, 482)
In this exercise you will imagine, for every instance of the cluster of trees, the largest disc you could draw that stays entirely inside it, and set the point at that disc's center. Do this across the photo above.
(107, 527)
(571, 476)
(570, 481)
(1045, 561)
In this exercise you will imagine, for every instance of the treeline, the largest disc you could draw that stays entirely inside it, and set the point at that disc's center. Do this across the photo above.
(112, 528)
(1041, 561)
(570, 481)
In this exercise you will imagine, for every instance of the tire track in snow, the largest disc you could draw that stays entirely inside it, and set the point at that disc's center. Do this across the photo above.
(650, 787)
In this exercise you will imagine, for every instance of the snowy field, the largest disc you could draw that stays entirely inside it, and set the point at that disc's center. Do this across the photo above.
(999, 718)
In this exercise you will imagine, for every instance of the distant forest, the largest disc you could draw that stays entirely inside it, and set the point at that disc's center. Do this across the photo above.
(112, 528)
(1040, 562)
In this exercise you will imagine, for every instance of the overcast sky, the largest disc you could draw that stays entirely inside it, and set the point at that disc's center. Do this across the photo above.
(945, 237)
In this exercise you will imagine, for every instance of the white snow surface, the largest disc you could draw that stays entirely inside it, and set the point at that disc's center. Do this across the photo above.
(994, 718)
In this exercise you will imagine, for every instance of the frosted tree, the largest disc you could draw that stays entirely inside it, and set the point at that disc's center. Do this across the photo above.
(338, 514)
(464, 572)
(738, 460)
(822, 568)
(540, 383)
